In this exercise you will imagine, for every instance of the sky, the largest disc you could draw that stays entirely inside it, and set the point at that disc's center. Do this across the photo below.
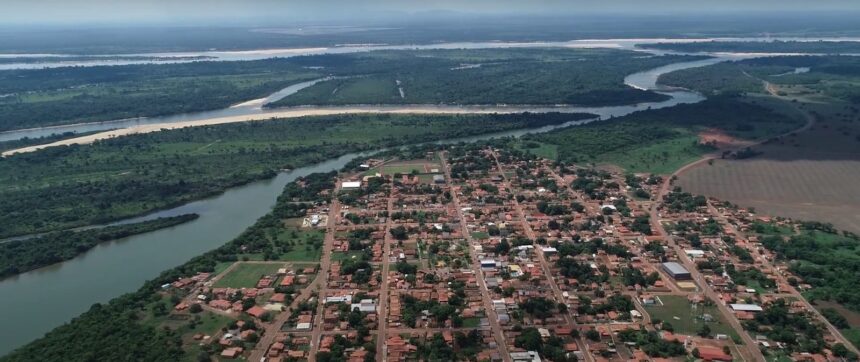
(63, 12)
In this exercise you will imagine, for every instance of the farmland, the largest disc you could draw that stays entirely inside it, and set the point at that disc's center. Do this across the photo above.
(811, 176)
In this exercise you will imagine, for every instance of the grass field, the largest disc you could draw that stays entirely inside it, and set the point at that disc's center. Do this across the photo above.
(339, 256)
(246, 275)
(304, 244)
(677, 311)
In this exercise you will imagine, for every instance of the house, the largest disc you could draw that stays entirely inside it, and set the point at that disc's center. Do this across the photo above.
(256, 311)
(350, 185)
(233, 352)
(708, 353)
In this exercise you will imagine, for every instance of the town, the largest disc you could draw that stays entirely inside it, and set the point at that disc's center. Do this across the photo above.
(483, 253)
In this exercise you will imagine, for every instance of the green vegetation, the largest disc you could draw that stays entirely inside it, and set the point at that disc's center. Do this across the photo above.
(685, 319)
(796, 331)
(127, 176)
(301, 245)
(246, 275)
(652, 344)
(777, 46)
(119, 328)
(828, 261)
(55, 96)
(21, 256)
(545, 76)
(660, 141)
(827, 77)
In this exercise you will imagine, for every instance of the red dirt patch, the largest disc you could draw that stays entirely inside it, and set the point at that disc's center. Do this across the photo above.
(720, 139)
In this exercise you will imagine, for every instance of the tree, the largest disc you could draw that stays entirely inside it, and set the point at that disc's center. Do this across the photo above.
(195, 308)
(529, 339)
(704, 331)
(592, 334)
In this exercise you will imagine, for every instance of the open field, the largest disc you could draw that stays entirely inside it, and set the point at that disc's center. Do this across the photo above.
(677, 311)
(246, 275)
(812, 176)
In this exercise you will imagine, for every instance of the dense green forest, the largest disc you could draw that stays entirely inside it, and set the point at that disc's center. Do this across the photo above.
(21, 256)
(777, 46)
(54, 96)
(127, 176)
(545, 76)
(835, 77)
(660, 140)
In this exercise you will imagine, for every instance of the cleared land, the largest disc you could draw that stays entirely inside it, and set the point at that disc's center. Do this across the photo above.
(812, 176)
(246, 275)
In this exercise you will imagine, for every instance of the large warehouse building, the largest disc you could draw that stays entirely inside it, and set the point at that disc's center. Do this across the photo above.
(676, 270)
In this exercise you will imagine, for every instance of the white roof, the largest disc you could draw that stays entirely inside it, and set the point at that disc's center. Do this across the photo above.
(303, 326)
(350, 184)
(549, 250)
(694, 252)
(747, 307)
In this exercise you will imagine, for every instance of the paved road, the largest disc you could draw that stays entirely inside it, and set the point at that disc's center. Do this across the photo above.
(569, 320)
(381, 349)
(476, 268)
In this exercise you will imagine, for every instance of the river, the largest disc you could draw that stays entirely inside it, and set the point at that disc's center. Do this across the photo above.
(35, 302)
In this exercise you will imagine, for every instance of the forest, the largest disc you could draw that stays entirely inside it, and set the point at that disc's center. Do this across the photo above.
(834, 77)
(20, 256)
(545, 76)
(662, 140)
(53, 96)
(127, 176)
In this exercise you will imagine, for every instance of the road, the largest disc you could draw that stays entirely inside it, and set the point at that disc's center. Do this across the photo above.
(559, 297)
(498, 334)
(382, 335)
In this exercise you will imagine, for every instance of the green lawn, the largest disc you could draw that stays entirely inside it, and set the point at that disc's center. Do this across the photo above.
(305, 245)
(246, 275)
(473, 322)
(339, 256)
(544, 150)
(480, 235)
(660, 158)
(687, 322)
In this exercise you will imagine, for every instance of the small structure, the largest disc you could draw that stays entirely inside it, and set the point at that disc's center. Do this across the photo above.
(676, 271)
(439, 179)
(746, 307)
(350, 185)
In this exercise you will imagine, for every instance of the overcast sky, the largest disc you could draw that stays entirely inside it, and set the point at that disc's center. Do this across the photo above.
(41, 12)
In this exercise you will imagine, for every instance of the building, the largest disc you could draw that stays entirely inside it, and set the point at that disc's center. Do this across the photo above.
(530, 356)
(746, 308)
(439, 179)
(677, 271)
(366, 305)
(350, 185)
(488, 264)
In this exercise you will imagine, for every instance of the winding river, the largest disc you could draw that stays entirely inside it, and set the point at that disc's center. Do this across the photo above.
(36, 302)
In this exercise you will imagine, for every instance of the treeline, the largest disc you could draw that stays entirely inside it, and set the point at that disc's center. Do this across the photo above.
(127, 176)
(824, 259)
(113, 331)
(20, 256)
(598, 141)
(819, 75)
(777, 46)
